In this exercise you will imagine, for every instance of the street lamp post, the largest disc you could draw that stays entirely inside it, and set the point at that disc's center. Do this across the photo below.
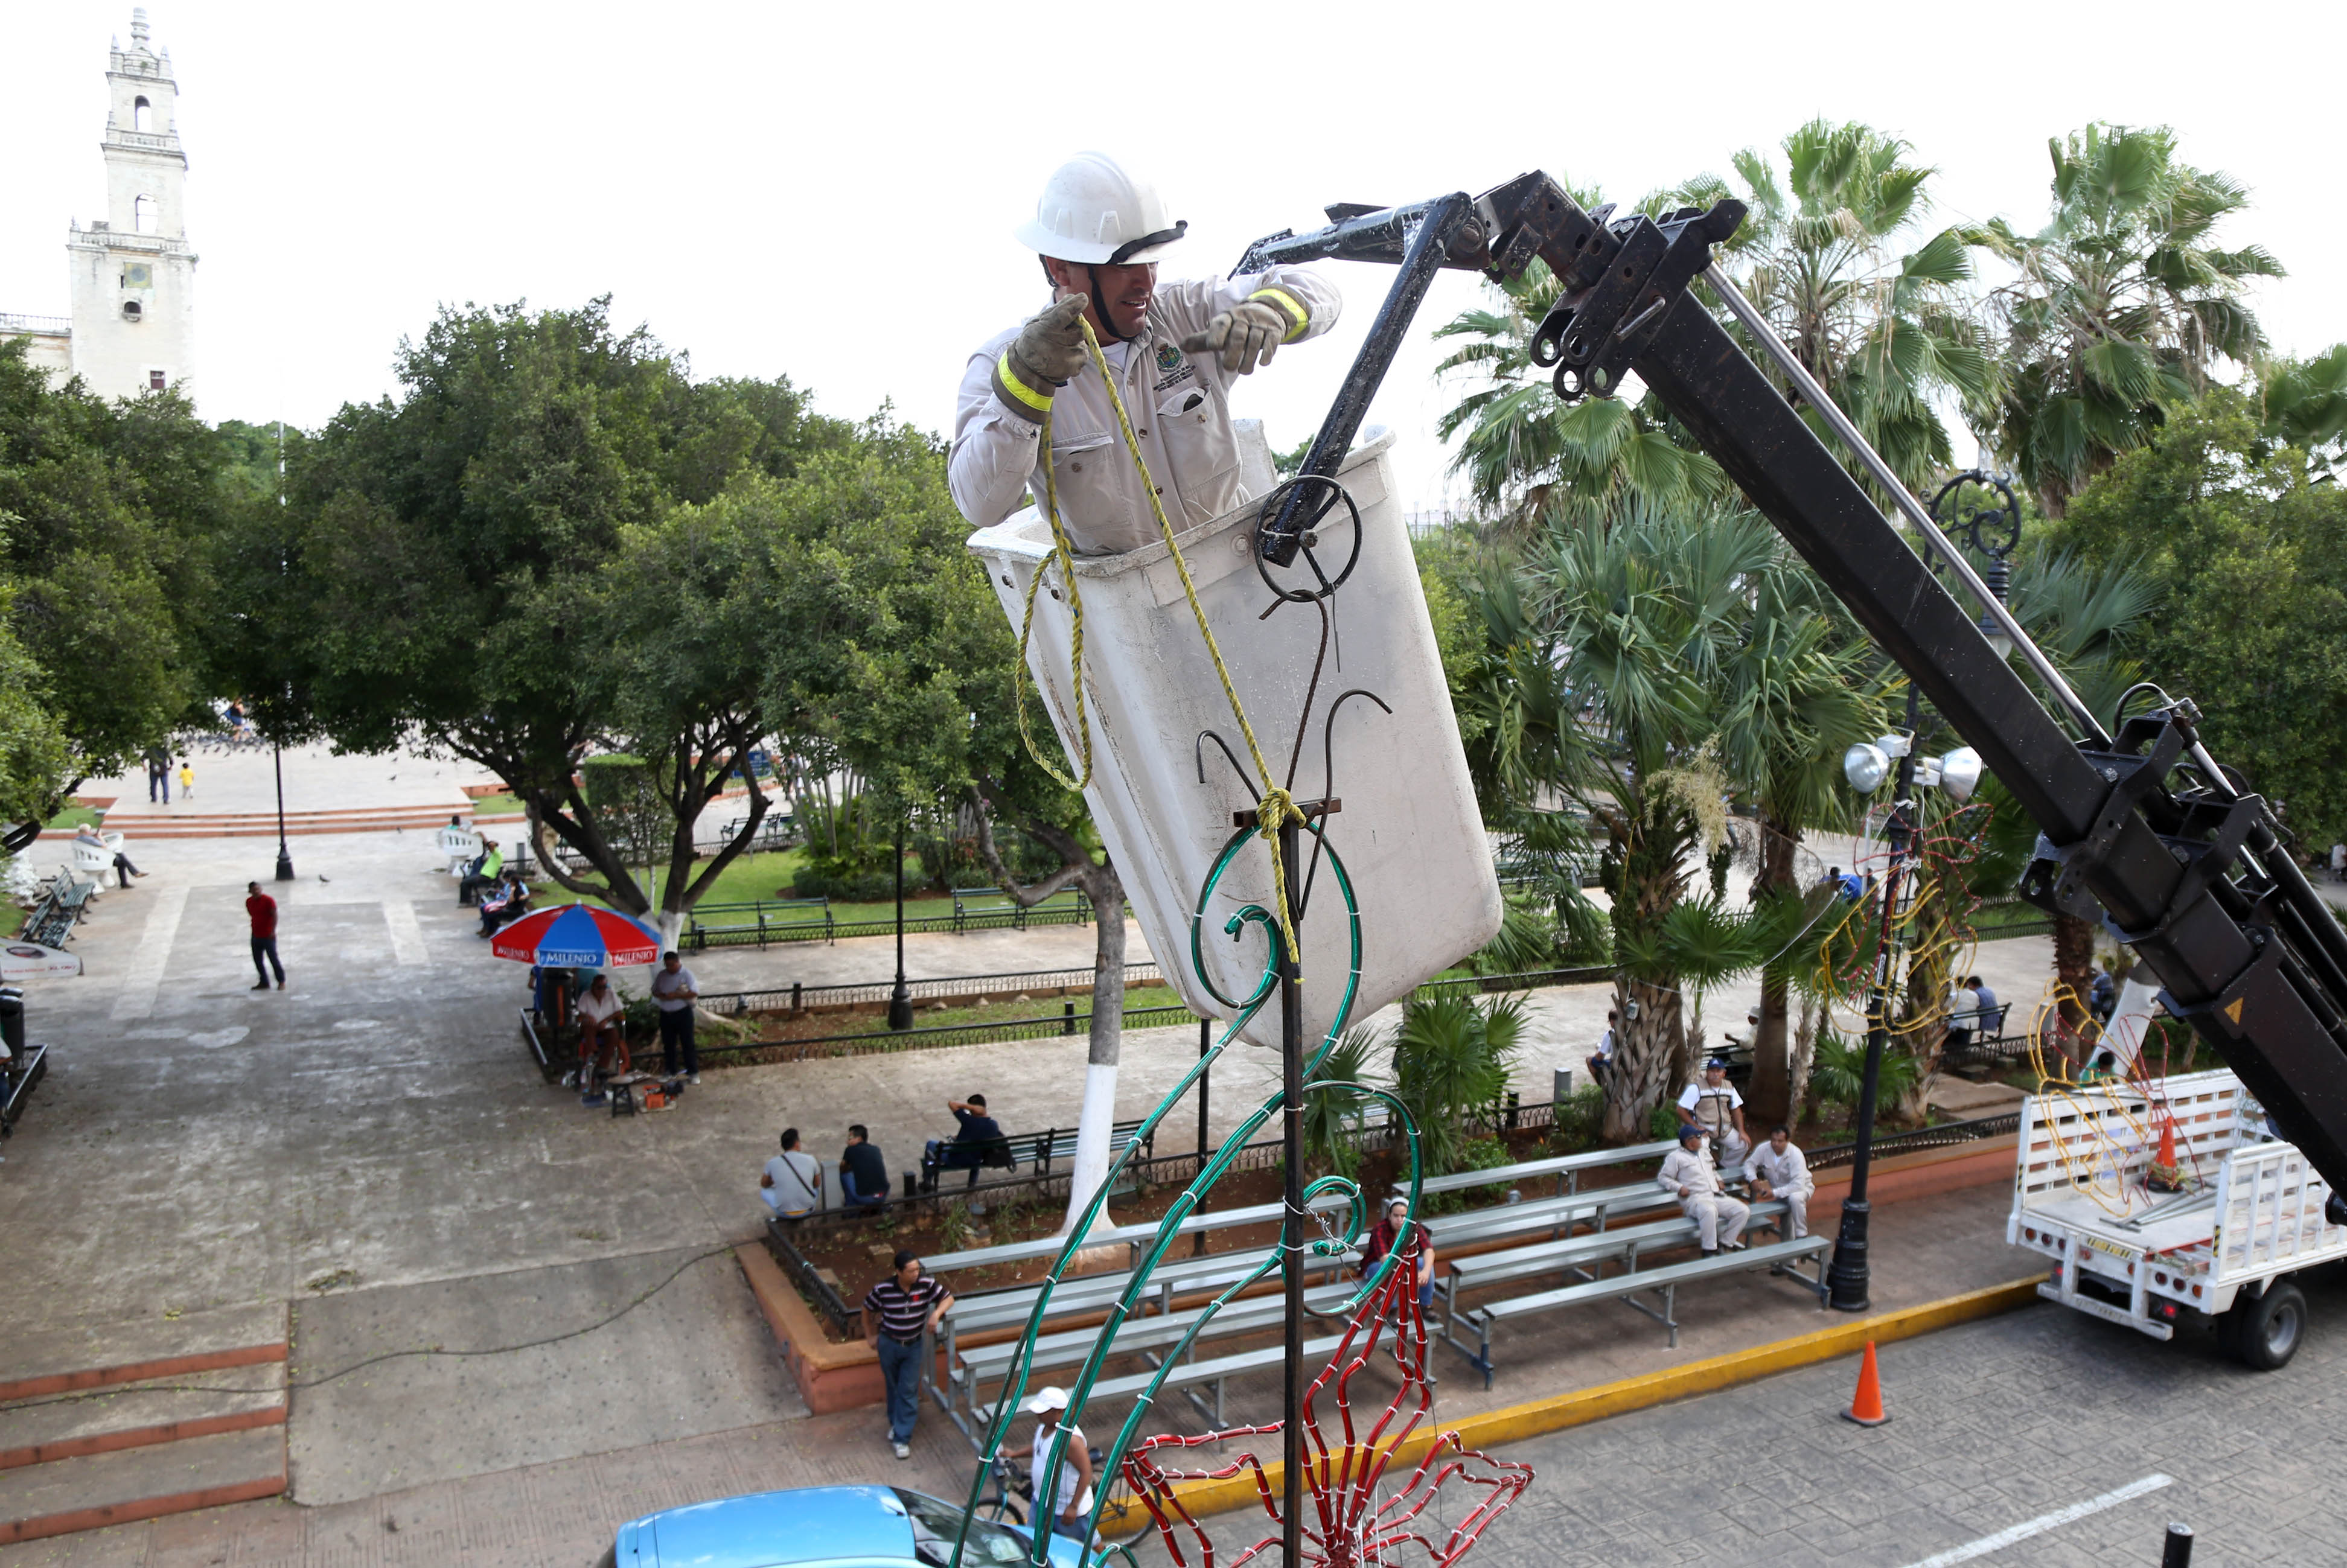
(1993, 531)
(284, 855)
(900, 1001)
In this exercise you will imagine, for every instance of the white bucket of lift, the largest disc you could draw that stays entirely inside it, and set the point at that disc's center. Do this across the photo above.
(1409, 833)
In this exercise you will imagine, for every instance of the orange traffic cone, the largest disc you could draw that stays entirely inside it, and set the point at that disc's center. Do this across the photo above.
(2163, 1176)
(1866, 1410)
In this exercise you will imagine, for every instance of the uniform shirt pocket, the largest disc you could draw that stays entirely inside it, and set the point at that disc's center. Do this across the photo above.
(1093, 503)
(1203, 448)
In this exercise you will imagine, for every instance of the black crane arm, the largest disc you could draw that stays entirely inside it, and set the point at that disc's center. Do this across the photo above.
(2141, 828)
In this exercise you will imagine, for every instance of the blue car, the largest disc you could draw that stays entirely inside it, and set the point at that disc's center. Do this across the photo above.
(828, 1525)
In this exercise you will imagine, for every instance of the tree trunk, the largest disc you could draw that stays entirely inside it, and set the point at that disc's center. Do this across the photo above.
(1803, 1057)
(1772, 1078)
(1097, 1119)
(2074, 973)
(1646, 1053)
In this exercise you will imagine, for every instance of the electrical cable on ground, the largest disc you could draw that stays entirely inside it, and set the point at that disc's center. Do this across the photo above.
(117, 1389)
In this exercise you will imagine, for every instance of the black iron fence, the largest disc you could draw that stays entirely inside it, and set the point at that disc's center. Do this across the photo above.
(998, 986)
(1947, 1136)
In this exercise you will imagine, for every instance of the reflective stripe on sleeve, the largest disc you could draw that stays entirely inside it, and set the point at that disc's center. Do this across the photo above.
(1291, 304)
(1016, 395)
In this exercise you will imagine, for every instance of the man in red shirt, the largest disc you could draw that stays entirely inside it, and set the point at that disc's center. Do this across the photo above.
(263, 910)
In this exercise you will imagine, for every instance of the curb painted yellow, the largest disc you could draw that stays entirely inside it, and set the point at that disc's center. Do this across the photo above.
(1515, 1423)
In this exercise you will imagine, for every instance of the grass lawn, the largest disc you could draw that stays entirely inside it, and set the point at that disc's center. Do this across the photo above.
(12, 920)
(70, 819)
(768, 877)
(500, 804)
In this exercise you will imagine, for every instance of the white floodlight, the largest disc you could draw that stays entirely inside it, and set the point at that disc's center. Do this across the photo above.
(1865, 766)
(1960, 773)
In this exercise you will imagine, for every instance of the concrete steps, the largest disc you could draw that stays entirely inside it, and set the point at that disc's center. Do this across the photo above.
(102, 1424)
(157, 822)
(93, 1492)
(141, 1415)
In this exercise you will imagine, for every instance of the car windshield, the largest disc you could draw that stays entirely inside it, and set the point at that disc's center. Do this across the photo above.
(935, 1525)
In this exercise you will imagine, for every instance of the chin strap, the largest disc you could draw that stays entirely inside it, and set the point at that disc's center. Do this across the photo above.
(1100, 308)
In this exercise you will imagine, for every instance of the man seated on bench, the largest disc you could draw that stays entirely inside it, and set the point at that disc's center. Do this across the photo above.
(979, 1137)
(1601, 1065)
(1713, 1107)
(122, 870)
(485, 872)
(1778, 1169)
(1687, 1174)
(863, 1174)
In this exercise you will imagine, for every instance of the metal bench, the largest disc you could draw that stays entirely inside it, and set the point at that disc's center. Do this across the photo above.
(1565, 1168)
(1038, 1150)
(983, 909)
(1142, 1336)
(1572, 1257)
(1662, 1282)
(764, 920)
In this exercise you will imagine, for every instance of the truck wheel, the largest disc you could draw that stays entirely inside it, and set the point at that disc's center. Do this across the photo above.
(2264, 1331)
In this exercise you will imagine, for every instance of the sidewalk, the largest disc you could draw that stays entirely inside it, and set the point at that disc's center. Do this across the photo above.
(561, 1514)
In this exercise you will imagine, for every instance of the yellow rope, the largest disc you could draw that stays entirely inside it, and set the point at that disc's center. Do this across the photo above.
(1277, 805)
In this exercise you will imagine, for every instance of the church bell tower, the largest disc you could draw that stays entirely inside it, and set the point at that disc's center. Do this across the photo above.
(133, 275)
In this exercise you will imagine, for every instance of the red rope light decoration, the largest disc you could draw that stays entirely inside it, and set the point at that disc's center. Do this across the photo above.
(1357, 1519)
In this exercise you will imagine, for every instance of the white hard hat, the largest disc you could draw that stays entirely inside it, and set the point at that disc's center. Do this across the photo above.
(1092, 211)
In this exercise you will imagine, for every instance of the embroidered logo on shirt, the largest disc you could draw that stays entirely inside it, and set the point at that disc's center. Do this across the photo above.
(1168, 356)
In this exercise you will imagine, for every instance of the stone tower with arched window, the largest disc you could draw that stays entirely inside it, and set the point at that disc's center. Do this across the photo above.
(134, 277)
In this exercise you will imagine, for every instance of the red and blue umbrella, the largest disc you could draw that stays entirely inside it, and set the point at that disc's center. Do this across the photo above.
(577, 936)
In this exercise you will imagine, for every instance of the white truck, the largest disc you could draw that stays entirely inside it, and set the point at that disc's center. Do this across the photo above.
(2218, 1231)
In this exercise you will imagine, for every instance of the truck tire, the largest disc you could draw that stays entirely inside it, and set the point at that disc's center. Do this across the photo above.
(2264, 1332)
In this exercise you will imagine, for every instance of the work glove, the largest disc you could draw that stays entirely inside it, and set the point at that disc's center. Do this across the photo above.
(1049, 349)
(1245, 335)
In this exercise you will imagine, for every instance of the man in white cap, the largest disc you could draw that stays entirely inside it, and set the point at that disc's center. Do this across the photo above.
(1713, 1105)
(1100, 232)
(1070, 1503)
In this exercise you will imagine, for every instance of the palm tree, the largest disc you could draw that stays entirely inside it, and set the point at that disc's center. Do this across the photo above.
(1885, 333)
(2305, 407)
(1526, 451)
(2122, 305)
(1626, 631)
(2082, 618)
(1803, 687)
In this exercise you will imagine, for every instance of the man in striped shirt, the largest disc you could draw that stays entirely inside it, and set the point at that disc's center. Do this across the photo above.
(897, 1312)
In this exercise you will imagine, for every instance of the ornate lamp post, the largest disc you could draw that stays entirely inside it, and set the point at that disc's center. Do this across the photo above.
(1993, 530)
(900, 1001)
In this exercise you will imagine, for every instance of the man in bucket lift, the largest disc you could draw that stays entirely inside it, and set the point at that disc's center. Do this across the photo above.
(1100, 232)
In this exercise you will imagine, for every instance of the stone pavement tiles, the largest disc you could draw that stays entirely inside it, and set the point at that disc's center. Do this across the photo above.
(1991, 1424)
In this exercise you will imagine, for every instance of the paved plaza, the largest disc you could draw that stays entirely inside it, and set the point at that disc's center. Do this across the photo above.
(373, 1145)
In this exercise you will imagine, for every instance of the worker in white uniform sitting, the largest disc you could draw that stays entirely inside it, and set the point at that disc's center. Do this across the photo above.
(1713, 1105)
(1100, 232)
(1689, 1175)
(1778, 1170)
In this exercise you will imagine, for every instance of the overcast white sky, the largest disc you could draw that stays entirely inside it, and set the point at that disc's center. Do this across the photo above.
(827, 192)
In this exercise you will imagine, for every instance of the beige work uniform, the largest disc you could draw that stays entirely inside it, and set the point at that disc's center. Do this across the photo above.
(1707, 1202)
(1179, 404)
(1787, 1175)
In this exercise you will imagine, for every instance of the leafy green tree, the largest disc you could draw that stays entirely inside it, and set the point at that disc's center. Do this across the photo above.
(105, 512)
(2246, 558)
(885, 641)
(36, 759)
(493, 564)
(1451, 1060)
(1884, 331)
(2124, 303)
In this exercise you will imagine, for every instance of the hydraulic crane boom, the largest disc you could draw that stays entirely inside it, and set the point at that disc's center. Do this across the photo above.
(2142, 828)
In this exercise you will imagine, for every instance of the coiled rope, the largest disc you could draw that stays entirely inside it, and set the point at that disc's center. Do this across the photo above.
(1277, 806)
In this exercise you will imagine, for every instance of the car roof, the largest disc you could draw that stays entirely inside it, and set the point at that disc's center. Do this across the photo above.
(804, 1524)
